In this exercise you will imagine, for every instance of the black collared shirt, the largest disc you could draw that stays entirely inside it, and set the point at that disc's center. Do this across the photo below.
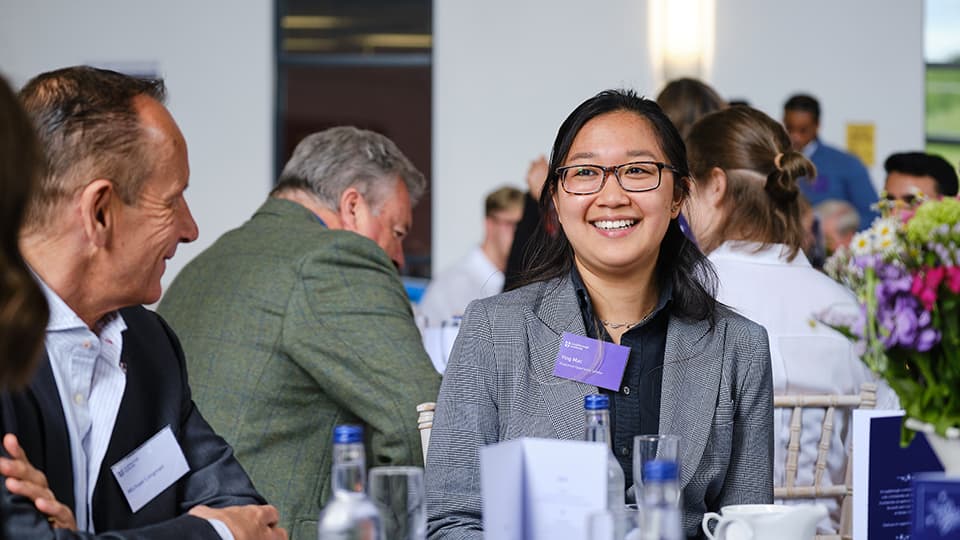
(635, 408)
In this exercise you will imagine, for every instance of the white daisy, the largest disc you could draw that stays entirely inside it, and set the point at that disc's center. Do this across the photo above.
(884, 233)
(862, 243)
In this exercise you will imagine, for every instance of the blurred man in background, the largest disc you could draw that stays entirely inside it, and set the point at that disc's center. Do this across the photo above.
(839, 221)
(839, 175)
(480, 273)
(297, 321)
(915, 175)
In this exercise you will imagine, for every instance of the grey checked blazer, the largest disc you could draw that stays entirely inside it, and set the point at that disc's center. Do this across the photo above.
(717, 395)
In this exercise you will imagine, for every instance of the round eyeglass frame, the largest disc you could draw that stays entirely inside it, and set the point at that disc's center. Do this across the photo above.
(561, 173)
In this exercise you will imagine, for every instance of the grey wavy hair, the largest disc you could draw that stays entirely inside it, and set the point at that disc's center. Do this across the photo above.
(328, 162)
(845, 215)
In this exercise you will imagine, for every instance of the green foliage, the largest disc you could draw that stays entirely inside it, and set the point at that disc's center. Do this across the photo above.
(929, 217)
(943, 102)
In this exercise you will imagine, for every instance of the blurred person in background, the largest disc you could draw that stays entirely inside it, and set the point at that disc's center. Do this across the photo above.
(529, 221)
(914, 176)
(479, 274)
(297, 321)
(687, 100)
(840, 175)
(839, 221)
(744, 208)
(812, 245)
(23, 309)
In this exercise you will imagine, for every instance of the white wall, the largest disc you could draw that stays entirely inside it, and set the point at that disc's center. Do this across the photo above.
(217, 59)
(503, 81)
(861, 68)
(505, 77)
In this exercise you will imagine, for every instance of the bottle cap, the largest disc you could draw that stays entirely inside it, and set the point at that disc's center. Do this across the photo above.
(347, 434)
(596, 402)
(660, 470)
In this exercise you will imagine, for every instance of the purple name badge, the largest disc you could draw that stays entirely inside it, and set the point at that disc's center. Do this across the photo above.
(590, 361)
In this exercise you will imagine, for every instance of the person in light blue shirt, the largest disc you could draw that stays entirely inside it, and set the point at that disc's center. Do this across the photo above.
(840, 175)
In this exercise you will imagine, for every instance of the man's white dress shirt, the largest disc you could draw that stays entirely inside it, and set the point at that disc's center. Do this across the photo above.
(90, 381)
(91, 376)
(448, 294)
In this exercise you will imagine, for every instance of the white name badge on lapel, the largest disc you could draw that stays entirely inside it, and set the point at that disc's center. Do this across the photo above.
(153, 467)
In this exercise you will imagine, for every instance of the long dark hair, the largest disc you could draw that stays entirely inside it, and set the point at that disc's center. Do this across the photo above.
(680, 261)
(23, 309)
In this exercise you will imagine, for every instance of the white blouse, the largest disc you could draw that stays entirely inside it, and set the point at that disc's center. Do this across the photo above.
(808, 357)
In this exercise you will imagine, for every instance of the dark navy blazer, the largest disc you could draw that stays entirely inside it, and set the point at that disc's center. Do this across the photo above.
(156, 395)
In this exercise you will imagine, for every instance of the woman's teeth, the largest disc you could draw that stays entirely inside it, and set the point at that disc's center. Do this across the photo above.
(610, 225)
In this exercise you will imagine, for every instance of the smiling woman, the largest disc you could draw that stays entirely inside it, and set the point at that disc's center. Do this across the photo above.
(615, 228)
(619, 270)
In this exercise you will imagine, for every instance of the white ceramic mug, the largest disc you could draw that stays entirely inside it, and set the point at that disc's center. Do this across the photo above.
(763, 521)
(727, 527)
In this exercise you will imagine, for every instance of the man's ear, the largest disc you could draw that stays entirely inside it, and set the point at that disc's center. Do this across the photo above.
(717, 187)
(97, 201)
(350, 209)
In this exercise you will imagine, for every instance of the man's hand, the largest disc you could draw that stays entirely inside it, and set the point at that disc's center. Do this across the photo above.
(536, 176)
(23, 479)
(249, 522)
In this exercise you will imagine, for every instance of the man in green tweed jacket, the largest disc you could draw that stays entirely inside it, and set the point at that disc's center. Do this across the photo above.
(297, 321)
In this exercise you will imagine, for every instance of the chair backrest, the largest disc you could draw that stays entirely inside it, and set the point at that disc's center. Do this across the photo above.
(425, 424)
(795, 404)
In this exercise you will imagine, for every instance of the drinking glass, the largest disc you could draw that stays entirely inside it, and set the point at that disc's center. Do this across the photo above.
(610, 525)
(649, 447)
(398, 494)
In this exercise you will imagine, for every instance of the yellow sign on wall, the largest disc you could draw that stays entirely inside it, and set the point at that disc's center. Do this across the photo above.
(860, 142)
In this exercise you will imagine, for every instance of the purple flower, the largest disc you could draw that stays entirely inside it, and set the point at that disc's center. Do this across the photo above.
(927, 339)
(904, 329)
(892, 288)
(902, 320)
(867, 261)
(889, 272)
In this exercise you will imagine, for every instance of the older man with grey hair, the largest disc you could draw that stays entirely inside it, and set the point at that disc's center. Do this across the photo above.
(839, 221)
(297, 321)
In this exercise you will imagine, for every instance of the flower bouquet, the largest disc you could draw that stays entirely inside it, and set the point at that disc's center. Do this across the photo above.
(905, 271)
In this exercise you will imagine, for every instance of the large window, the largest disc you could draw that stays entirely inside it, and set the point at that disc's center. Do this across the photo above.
(365, 63)
(942, 52)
